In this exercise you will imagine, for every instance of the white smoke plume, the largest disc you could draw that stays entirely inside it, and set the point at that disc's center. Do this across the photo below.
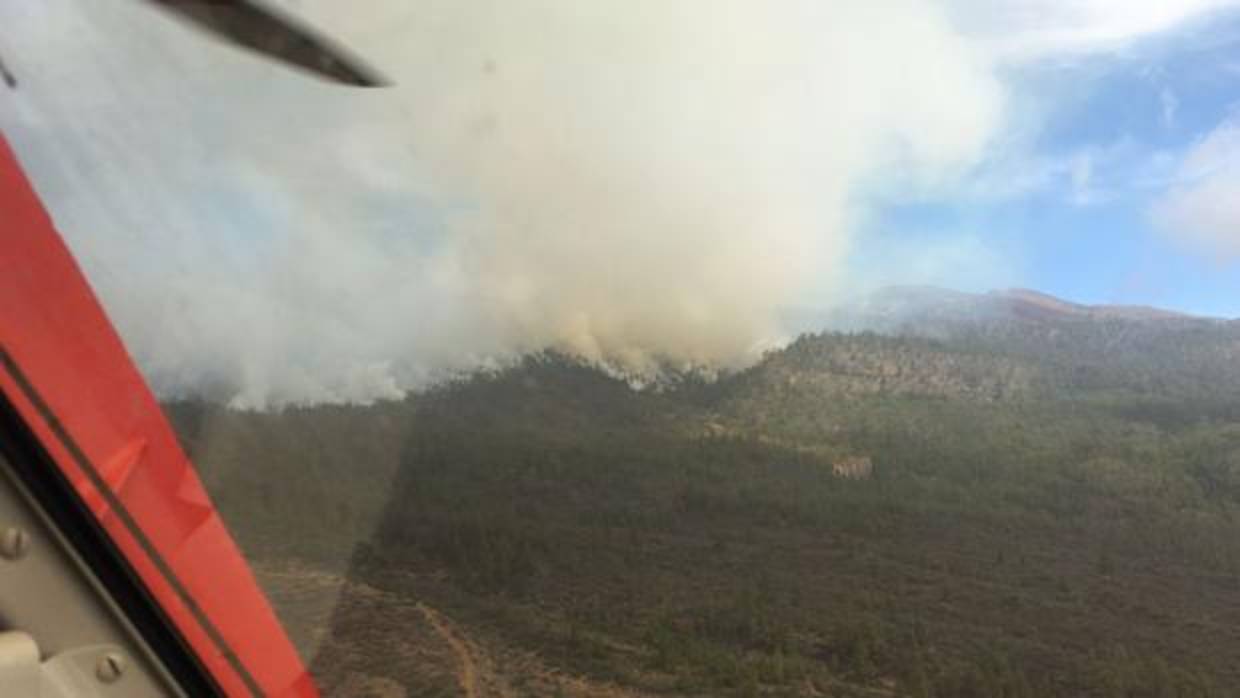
(631, 181)
(627, 181)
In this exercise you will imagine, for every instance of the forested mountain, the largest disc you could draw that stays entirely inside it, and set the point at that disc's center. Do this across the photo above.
(1130, 349)
(1050, 506)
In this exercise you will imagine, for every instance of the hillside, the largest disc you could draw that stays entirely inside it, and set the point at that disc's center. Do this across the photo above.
(1053, 510)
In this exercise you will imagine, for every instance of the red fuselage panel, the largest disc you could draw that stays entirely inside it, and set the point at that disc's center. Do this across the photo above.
(68, 374)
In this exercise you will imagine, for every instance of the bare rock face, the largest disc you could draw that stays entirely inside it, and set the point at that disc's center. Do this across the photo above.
(853, 468)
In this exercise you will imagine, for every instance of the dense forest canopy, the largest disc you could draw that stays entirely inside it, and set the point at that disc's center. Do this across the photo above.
(1050, 506)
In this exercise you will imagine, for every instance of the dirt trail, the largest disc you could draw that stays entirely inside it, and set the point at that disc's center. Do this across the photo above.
(467, 675)
(375, 643)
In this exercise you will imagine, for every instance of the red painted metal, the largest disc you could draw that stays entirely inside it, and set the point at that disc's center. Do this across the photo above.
(99, 415)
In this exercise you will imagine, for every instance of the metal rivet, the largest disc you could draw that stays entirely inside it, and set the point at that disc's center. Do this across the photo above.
(110, 667)
(14, 542)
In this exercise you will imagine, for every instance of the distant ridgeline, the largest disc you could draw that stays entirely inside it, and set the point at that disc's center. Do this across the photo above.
(1056, 346)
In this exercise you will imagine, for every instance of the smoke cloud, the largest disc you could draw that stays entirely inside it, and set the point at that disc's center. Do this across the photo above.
(634, 182)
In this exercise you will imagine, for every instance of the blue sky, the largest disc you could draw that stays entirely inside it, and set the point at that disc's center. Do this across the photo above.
(1112, 128)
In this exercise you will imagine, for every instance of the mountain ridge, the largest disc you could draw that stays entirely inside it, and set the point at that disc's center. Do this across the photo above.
(1049, 506)
(902, 300)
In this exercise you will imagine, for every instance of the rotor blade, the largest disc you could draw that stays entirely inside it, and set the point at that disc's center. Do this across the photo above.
(263, 29)
(7, 76)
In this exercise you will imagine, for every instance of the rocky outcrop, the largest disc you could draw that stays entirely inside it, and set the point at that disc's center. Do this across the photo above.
(853, 468)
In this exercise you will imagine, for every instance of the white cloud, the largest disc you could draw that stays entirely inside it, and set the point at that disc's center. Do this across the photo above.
(1202, 208)
(1029, 29)
(1081, 174)
(1087, 175)
(1170, 107)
